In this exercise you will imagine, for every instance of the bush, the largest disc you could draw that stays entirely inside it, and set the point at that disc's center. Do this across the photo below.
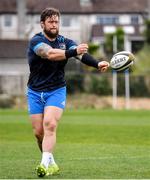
(6, 101)
(108, 46)
(142, 62)
(75, 83)
(100, 85)
(138, 87)
(120, 39)
(147, 31)
(120, 85)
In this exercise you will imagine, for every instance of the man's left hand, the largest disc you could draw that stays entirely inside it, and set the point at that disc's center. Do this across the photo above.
(103, 66)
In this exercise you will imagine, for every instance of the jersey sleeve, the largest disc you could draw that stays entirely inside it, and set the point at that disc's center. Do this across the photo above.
(70, 44)
(36, 42)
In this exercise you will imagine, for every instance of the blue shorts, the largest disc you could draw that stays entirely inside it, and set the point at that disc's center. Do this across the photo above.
(37, 101)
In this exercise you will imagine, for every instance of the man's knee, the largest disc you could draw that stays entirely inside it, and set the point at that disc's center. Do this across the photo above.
(50, 124)
(37, 125)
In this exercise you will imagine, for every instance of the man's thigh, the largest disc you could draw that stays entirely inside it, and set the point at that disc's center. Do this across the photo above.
(52, 113)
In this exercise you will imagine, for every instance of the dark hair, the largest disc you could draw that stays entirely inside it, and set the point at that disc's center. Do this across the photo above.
(49, 12)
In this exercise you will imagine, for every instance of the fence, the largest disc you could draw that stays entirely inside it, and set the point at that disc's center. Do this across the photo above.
(13, 84)
(101, 84)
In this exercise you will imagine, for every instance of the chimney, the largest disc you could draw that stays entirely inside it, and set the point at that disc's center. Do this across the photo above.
(21, 10)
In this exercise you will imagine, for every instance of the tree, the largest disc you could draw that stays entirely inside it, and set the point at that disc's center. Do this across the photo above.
(109, 42)
(94, 49)
(147, 32)
(120, 39)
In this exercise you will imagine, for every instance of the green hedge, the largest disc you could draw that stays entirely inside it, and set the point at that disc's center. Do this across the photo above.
(6, 101)
(97, 84)
(101, 84)
(75, 83)
(138, 86)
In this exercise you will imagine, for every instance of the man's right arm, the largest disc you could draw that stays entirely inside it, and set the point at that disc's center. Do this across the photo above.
(45, 51)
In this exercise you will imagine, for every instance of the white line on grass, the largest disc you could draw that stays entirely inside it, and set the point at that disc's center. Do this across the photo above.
(108, 157)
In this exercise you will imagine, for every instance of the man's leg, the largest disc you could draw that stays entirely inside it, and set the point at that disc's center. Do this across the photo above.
(45, 116)
(51, 118)
(37, 125)
(50, 121)
(36, 111)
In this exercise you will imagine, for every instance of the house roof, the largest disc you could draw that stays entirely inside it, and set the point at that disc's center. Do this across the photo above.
(73, 6)
(98, 30)
(13, 48)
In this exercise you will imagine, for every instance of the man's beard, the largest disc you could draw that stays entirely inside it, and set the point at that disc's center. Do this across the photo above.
(50, 34)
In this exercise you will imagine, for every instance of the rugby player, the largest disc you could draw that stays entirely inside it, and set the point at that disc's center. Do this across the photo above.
(48, 53)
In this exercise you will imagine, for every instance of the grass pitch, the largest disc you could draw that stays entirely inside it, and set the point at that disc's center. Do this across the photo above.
(91, 144)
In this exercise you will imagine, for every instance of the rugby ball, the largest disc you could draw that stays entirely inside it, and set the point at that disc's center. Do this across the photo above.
(122, 60)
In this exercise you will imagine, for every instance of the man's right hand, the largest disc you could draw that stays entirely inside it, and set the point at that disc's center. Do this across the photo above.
(82, 48)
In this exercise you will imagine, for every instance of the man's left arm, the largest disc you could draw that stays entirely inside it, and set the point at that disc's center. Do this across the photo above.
(86, 58)
(91, 61)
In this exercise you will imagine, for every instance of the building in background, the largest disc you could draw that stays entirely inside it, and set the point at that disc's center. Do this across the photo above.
(129, 15)
(13, 66)
(82, 20)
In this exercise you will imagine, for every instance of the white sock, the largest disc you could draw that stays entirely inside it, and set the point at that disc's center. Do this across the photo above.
(51, 158)
(45, 159)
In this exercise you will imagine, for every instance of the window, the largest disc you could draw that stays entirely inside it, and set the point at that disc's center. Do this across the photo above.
(107, 20)
(7, 20)
(134, 19)
(66, 21)
(70, 21)
(85, 2)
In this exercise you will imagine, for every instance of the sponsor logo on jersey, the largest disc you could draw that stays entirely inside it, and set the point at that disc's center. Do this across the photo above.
(62, 46)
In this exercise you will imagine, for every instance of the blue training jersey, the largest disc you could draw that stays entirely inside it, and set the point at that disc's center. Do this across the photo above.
(46, 75)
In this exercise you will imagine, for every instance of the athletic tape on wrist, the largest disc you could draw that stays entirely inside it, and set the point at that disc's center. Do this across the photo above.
(71, 53)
